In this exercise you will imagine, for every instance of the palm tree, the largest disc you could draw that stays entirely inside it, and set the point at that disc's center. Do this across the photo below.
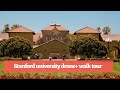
(6, 28)
(15, 26)
(99, 29)
(106, 30)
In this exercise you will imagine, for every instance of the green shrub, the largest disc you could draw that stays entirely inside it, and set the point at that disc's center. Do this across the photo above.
(101, 59)
(25, 57)
(88, 59)
(15, 58)
(96, 59)
(4, 58)
(10, 58)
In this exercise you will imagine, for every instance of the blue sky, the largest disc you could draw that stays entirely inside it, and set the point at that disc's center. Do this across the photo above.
(72, 20)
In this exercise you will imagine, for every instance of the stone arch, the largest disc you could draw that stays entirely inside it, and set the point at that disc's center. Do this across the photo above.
(117, 51)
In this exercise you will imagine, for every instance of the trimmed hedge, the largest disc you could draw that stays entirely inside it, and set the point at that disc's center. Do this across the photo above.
(116, 60)
(9, 58)
(94, 59)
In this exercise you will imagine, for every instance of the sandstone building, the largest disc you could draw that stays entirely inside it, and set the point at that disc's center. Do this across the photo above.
(53, 40)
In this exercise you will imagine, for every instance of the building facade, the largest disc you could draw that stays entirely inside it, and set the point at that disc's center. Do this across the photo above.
(53, 40)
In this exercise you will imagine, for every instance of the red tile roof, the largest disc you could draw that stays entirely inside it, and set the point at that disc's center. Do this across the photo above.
(20, 29)
(37, 36)
(59, 27)
(113, 37)
(87, 30)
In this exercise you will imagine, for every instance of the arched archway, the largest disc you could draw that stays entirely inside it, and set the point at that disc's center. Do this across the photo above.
(117, 52)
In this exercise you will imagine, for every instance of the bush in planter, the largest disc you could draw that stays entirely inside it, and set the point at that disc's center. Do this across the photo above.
(116, 60)
(25, 57)
(32, 57)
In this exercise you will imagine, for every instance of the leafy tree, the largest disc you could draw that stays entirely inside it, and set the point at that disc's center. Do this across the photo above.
(106, 30)
(7, 27)
(88, 46)
(15, 46)
(72, 36)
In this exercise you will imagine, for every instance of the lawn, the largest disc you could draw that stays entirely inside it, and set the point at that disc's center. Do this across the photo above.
(117, 67)
(60, 75)
(1, 66)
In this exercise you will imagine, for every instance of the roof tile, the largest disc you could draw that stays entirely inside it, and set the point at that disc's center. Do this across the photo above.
(87, 30)
(20, 29)
(59, 27)
(37, 36)
(113, 37)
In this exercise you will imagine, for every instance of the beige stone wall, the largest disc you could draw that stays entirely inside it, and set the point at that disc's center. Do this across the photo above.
(25, 35)
(111, 51)
(58, 47)
(111, 45)
(52, 47)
